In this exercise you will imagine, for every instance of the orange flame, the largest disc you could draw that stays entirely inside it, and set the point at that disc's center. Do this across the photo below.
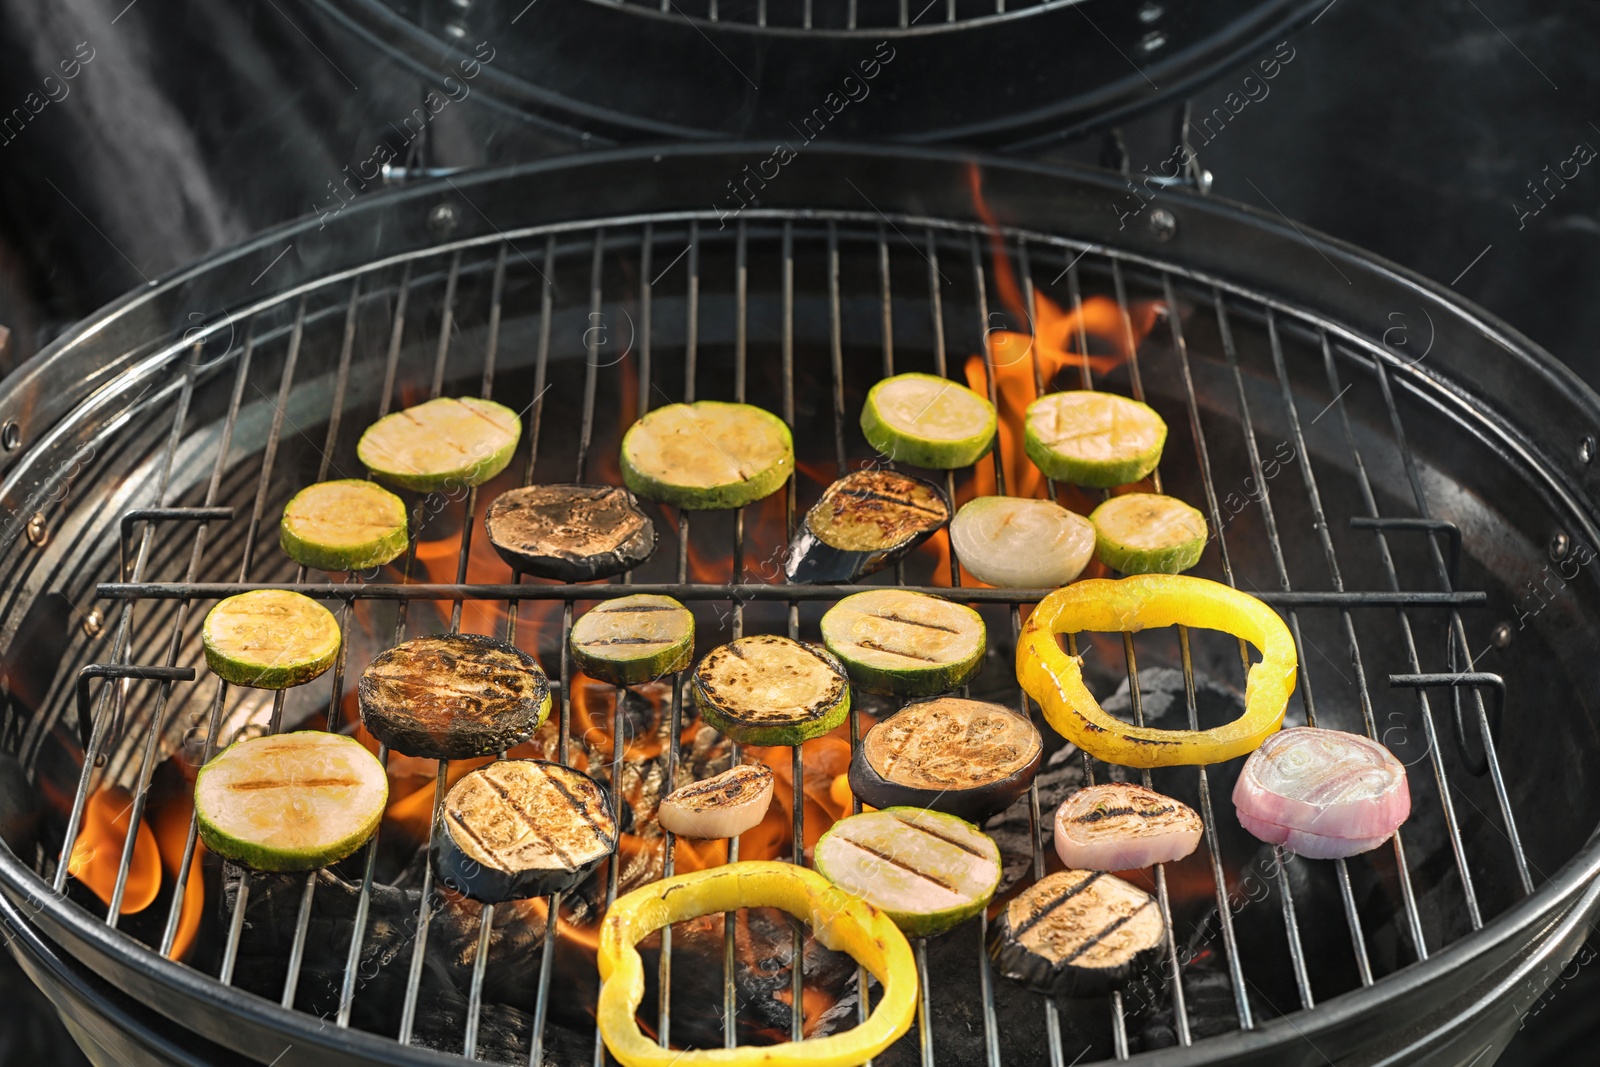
(171, 831)
(98, 851)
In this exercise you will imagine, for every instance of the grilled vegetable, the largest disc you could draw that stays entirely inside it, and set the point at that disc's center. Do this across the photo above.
(1322, 793)
(707, 455)
(963, 757)
(927, 871)
(634, 639)
(1084, 437)
(1145, 602)
(838, 920)
(523, 828)
(864, 522)
(572, 533)
(767, 690)
(453, 696)
(269, 639)
(1077, 933)
(1146, 533)
(724, 806)
(348, 525)
(903, 643)
(1017, 543)
(290, 802)
(446, 443)
(928, 421)
(1121, 826)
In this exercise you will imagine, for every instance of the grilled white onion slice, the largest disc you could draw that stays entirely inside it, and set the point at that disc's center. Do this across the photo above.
(722, 806)
(1324, 794)
(1018, 543)
(1121, 826)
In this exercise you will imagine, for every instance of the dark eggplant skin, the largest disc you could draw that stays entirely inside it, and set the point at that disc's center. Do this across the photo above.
(1016, 961)
(974, 804)
(877, 497)
(496, 696)
(581, 807)
(570, 533)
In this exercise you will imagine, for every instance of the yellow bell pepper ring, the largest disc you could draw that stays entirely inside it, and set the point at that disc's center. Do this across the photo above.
(1145, 601)
(840, 921)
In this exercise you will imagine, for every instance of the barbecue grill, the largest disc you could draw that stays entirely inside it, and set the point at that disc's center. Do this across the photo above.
(759, 69)
(1407, 480)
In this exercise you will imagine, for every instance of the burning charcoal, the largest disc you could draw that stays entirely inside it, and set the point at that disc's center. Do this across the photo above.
(504, 1033)
(1208, 1002)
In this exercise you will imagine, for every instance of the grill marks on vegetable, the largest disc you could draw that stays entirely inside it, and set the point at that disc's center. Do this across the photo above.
(723, 806)
(768, 690)
(453, 696)
(520, 828)
(634, 639)
(864, 521)
(572, 533)
(1120, 826)
(899, 642)
(1076, 932)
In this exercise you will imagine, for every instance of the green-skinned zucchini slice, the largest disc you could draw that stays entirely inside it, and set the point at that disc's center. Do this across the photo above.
(901, 643)
(290, 802)
(927, 871)
(768, 690)
(1146, 533)
(346, 525)
(1084, 437)
(269, 639)
(707, 455)
(634, 639)
(928, 421)
(444, 444)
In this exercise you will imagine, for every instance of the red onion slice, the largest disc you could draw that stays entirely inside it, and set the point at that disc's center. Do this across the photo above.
(1322, 793)
(1120, 827)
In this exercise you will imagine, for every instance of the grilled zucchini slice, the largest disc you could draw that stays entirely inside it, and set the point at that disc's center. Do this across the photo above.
(1084, 437)
(901, 643)
(966, 758)
(290, 802)
(523, 828)
(928, 421)
(347, 525)
(927, 871)
(571, 533)
(447, 443)
(634, 639)
(707, 455)
(864, 522)
(1146, 533)
(269, 639)
(768, 690)
(453, 696)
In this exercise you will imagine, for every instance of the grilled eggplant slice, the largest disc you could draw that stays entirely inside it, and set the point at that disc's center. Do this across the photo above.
(290, 802)
(269, 639)
(927, 871)
(523, 828)
(965, 758)
(901, 643)
(707, 455)
(864, 522)
(634, 639)
(1076, 933)
(768, 690)
(1120, 826)
(345, 525)
(443, 444)
(723, 806)
(571, 533)
(453, 696)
